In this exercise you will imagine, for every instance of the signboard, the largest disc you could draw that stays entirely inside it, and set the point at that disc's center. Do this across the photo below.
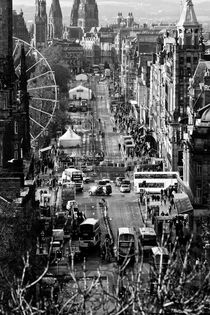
(76, 176)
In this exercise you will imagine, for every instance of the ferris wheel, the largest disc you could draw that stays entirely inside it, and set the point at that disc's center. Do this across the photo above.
(42, 88)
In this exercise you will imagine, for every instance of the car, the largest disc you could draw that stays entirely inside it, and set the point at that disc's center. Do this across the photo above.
(100, 190)
(126, 182)
(88, 180)
(119, 180)
(104, 181)
(124, 188)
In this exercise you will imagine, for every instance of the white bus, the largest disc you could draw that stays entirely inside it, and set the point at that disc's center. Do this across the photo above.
(73, 175)
(154, 182)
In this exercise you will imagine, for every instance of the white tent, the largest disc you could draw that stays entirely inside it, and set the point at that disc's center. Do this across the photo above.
(69, 139)
(82, 77)
(80, 92)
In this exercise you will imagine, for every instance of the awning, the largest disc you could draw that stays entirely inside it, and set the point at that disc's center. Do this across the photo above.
(182, 203)
(45, 149)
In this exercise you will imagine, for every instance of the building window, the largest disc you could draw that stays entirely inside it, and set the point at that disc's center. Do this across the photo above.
(16, 155)
(195, 60)
(188, 60)
(198, 169)
(181, 60)
(198, 195)
(15, 128)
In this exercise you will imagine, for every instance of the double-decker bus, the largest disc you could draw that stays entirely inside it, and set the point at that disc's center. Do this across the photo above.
(147, 240)
(89, 233)
(126, 244)
(154, 182)
(73, 175)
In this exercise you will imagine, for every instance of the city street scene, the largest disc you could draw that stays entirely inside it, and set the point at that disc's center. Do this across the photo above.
(104, 157)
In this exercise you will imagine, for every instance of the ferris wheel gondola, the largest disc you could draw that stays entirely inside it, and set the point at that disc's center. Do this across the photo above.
(41, 86)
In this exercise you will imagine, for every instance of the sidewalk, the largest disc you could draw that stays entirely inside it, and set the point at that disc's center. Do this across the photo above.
(164, 208)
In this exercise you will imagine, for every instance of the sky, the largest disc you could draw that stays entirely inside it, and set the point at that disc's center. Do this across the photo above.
(68, 3)
(143, 11)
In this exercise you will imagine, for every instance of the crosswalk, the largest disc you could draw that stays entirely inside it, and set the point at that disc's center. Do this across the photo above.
(92, 144)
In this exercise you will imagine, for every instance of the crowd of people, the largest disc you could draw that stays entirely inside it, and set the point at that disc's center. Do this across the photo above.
(126, 122)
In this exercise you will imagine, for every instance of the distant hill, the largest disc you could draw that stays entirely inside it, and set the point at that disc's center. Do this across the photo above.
(148, 11)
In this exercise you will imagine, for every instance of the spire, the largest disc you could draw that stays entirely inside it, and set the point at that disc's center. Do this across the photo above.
(188, 17)
(55, 9)
(55, 25)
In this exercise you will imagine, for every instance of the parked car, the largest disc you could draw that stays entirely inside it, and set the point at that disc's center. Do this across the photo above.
(118, 181)
(125, 188)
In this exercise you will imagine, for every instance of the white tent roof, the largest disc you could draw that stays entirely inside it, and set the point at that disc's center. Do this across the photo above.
(79, 88)
(70, 139)
(82, 77)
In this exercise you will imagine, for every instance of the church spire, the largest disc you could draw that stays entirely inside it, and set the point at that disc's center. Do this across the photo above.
(189, 30)
(188, 16)
(55, 26)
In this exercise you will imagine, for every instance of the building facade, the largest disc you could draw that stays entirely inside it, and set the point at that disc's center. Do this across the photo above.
(178, 53)
(17, 196)
(196, 144)
(19, 27)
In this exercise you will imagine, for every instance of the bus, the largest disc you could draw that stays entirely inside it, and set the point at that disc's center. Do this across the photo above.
(154, 182)
(96, 69)
(126, 244)
(74, 175)
(147, 240)
(89, 233)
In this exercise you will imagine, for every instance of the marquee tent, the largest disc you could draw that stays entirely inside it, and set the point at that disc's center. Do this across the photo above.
(69, 139)
(80, 92)
(82, 77)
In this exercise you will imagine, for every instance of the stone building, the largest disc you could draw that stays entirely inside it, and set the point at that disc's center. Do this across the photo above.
(196, 143)
(84, 14)
(178, 53)
(19, 27)
(16, 194)
(127, 22)
(40, 25)
(55, 21)
(72, 54)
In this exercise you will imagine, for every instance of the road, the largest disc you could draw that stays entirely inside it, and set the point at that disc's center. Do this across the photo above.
(123, 209)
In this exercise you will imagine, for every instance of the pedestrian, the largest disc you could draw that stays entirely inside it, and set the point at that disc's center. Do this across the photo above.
(197, 264)
(169, 210)
(172, 202)
(164, 199)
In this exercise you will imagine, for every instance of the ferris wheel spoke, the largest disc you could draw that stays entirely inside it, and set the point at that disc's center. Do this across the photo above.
(32, 136)
(44, 99)
(38, 76)
(16, 47)
(42, 87)
(35, 64)
(41, 111)
(29, 51)
(17, 68)
(36, 122)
